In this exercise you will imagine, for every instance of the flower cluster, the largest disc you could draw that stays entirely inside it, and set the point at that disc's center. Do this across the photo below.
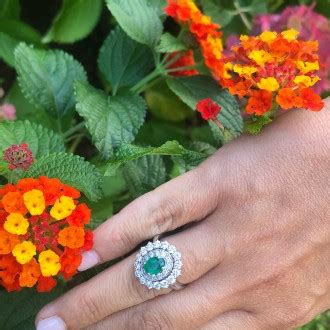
(311, 25)
(42, 233)
(18, 156)
(273, 68)
(208, 109)
(205, 31)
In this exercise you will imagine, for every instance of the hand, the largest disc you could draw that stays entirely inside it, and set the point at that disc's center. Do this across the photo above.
(256, 257)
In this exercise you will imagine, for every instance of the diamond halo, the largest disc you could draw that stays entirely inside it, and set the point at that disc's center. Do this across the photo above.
(158, 265)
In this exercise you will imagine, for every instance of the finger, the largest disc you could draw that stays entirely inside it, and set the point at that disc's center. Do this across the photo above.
(234, 320)
(190, 308)
(180, 201)
(117, 288)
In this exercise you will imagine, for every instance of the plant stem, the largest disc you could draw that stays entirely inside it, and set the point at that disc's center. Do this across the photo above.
(74, 129)
(75, 143)
(242, 15)
(140, 86)
(189, 67)
(218, 123)
(59, 127)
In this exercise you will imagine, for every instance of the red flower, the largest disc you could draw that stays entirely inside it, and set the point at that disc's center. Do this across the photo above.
(70, 261)
(89, 240)
(80, 216)
(208, 109)
(46, 284)
(187, 59)
(18, 156)
(259, 103)
(311, 100)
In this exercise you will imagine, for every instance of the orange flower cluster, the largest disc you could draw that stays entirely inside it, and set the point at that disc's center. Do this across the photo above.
(205, 31)
(42, 233)
(273, 68)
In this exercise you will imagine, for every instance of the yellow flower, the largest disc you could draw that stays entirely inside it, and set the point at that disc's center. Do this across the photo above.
(244, 70)
(269, 84)
(306, 67)
(290, 34)
(34, 201)
(24, 252)
(227, 67)
(216, 45)
(62, 208)
(260, 57)
(49, 263)
(16, 224)
(306, 80)
(268, 36)
(244, 37)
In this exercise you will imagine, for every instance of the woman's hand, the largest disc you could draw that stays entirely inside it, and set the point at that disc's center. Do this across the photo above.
(257, 253)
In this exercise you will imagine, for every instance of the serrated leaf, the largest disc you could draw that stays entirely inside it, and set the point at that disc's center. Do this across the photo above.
(129, 152)
(40, 140)
(144, 174)
(10, 9)
(19, 309)
(46, 78)
(169, 44)
(193, 89)
(123, 61)
(139, 19)
(70, 169)
(111, 120)
(75, 20)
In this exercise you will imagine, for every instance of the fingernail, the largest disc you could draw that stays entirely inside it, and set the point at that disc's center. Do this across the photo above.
(52, 323)
(89, 260)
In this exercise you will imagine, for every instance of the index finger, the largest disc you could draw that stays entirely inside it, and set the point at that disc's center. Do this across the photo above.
(172, 205)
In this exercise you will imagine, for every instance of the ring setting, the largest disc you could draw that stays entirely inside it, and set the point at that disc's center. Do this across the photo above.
(158, 265)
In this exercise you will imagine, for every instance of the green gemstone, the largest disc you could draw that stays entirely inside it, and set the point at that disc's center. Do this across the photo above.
(154, 265)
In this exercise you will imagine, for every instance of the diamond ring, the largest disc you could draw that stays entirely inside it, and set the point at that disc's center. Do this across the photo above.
(158, 265)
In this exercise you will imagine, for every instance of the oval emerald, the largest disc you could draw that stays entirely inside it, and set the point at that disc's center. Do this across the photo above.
(154, 265)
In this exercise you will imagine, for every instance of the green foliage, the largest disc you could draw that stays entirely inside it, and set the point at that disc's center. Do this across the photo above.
(10, 9)
(46, 78)
(12, 32)
(169, 43)
(144, 174)
(40, 140)
(70, 169)
(193, 89)
(139, 19)
(166, 105)
(75, 20)
(219, 15)
(256, 123)
(129, 152)
(111, 120)
(123, 61)
(18, 309)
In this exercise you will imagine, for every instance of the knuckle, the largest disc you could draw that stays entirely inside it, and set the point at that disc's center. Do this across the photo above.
(90, 307)
(146, 319)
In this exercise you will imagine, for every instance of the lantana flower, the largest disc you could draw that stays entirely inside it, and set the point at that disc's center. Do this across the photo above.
(18, 156)
(42, 233)
(273, 69)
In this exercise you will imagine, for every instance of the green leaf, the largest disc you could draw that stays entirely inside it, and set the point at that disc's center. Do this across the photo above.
(75, 20)
(144, 174)
(10, 9)
(40, 140)
(46, 78)
(139, 19)
(20, 31)
(19, 309)
(255, 125)
(193, 89)
(111, 120)
(7, 47)
(129, 152)
(169, 44)
(122, 61)
(219, 15)
(70, 169)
